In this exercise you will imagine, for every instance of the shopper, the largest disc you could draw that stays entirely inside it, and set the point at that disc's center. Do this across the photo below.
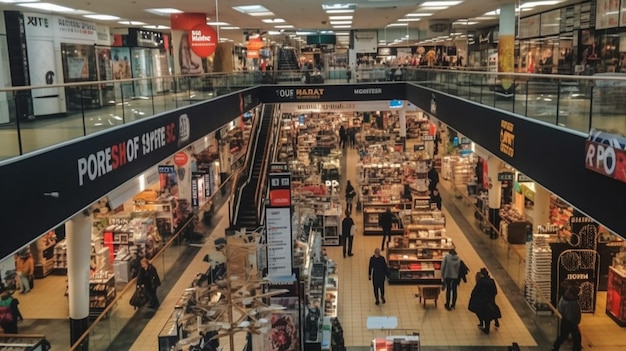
(347, 234)
(343, 135)
(25, 267)
(570, 319)
(352, 136)
(450, 267)
(350, 194)
(385, 221)
(9, 312)
(435, 198)
(377, 273)
(482, 300)
(149, 279)
(433, 178)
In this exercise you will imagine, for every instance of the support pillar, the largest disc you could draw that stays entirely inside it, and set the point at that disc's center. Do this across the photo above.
(541, 209)
(78, 261)
(402, 125)
(495, 194)
(506, 44)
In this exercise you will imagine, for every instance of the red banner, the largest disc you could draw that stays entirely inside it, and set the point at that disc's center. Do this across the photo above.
(203, 40)
(605, 160)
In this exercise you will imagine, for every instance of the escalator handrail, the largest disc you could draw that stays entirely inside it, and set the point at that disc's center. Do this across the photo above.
(260, 192)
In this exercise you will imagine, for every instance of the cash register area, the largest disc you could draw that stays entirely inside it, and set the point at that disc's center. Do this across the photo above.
(438, 329)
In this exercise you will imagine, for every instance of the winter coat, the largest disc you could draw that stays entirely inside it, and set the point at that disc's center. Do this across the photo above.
(346, 226)
(385, 220)
(450, 267)
(149, 278)
(569, 309)
(483, 299)
(350, 192)
(377, 269)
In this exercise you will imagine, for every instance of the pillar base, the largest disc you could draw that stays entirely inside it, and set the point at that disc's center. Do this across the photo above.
(77, 328)
(494, 219)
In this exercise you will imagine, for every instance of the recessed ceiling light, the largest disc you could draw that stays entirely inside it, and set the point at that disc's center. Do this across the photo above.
(340, 11)
(131, 23)
(102, 17)
(339, 17)
(481, 18)
(342, 27)
(249, 9)
(156, 26)
(47, 7)
(342, 33)
(340, 22)
(338, 6)
(540, 3)
(273, 20)
(218, 24)
(273, 32)
(284, 26)
(262, 14)
(397, 25)
(304, 33)
(418, 14)
(164, 11)
(441, 3)
(16, 1)
(230, 27)
(468, 23)
(434, 8)
(409, 19)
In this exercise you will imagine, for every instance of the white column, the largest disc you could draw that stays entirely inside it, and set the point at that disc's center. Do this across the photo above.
(495, 187)
(541, 209)
(402, 122)
(78, 239)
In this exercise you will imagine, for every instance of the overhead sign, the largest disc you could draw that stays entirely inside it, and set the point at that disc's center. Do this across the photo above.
(505, 176)
(280, 189)
(522, 178)
(203, 40)
(605, 154)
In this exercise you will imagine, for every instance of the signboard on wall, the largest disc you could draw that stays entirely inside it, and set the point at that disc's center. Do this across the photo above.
(279, 242)
(529, 27)
(551, 22)
(607, 14)
(605, 153)
(365, 41)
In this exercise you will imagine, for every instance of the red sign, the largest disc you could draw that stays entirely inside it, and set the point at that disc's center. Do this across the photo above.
(180, 159)
(280, 198)
(606, 160)
(203, 40)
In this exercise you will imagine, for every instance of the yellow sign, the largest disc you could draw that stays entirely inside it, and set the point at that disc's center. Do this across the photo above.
(507, 138)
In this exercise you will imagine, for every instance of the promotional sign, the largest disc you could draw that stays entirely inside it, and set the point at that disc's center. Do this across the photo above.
(166, 169)
(365, 41)
(181, 159)
(605, 154)
(203, 40)
(522, 178)
(505, 176)
(190, 30)
(279, 242)
(280, 189)
(364, 92)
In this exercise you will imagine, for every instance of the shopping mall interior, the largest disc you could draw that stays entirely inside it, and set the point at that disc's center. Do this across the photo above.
(215, 143)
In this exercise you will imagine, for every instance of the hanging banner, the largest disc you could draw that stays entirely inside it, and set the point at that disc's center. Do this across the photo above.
(203, 40)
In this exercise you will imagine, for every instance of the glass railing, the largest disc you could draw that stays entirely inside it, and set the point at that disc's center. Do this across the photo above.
(578, 103)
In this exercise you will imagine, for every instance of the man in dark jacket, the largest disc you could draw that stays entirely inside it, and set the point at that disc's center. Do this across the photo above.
(350, 194)
(433, 178)
(483, 300)
(377, 273)
(346, 234)
(385, 221)
(570, 318)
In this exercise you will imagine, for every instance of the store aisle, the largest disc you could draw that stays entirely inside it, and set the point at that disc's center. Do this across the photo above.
(436, 325)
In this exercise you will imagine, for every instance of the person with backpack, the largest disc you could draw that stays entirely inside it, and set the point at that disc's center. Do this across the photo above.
(570, 319)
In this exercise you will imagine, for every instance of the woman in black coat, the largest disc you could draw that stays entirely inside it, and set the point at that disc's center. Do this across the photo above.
(483, 300)
(149, 279)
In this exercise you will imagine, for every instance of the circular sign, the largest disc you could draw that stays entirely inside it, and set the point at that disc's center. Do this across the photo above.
(203, 40)
(180, 159)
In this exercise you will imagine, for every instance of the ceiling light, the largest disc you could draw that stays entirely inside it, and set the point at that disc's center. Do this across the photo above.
(540, 3)
(418, 14)
(409, 19)
(342, 27)
(102, 17)
(338, 6)
(481, 18)
(218, 24)
(284, 26)
(273, 20)
(339, 17)
(340, 22)
(16, 1)
(434, 8)
(339, 11)
(262, 14)
(230, 27)
(397, 25)
(164, 11)
(131, 23)
(156, 26)
(249, 9)
(441, 3)
(47, 7)
(273, 32)
(305, 33)
(468, 23)
(342, 33)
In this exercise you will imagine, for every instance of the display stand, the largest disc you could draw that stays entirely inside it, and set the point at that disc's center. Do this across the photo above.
(331, 296)
(43, 254)
(24, 343)
(371, 213)
(616, 295)
(101, 293)
(514, 225)
(397, 342)
(416, 257)
(538, 273)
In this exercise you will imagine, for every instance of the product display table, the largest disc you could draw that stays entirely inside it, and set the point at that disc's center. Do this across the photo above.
(382, 322)
(428, 292)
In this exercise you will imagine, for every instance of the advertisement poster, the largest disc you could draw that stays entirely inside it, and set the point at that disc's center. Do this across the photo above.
(191, 39)
(121, 63)
(529, 27)
(77, 68)
(279, 242)
(607, 13)
(284, 334)
(551, 22)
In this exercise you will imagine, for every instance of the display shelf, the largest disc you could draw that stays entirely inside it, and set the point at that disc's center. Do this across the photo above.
(616, 296)
(538, 273)
(331, 296)
(331, 224)
(397, 342)
(101, 293)
(371, 213)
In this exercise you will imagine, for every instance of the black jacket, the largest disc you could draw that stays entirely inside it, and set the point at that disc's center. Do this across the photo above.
(385, 220)
(149, 278)
(483, 299)
(346, 225)
(350, 192)
(377, 269)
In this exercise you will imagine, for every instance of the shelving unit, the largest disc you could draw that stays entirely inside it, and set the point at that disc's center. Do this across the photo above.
(416, 257)
(101, 293)
(331, 296)
(371, 213)
(538, 273)
(43, 250)
(331, 227)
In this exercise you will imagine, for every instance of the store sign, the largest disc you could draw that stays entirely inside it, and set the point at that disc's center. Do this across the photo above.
(279, 241)
(522, 178)
(605, 153)
(505, 176)
(123, 152)
(181, 159)
(203, 40)
(419, 147)
(527, 192)
(280, 189)
(507, 138)
(194, 190)
(368, 91)
(166, 169)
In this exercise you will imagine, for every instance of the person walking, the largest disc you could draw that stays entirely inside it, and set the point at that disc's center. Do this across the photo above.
(343, 135)
(435, 198)
(385, 221)
(351, 135)
(570, 319)
(25, 267)
(482, 300)
(350, 194)
(377, 273)
(148, 278)
(9, 312)
(450, 267)
(347, 234)
(433, 178)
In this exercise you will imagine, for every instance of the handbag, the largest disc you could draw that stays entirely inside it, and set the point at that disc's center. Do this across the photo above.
(443, 285)
(353, 230)
(6, 316)
(139, 297)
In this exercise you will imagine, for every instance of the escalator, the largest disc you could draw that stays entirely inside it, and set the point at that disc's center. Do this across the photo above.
(247, 216)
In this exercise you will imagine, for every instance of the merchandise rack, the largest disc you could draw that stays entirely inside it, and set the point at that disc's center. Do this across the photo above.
(538, 273)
